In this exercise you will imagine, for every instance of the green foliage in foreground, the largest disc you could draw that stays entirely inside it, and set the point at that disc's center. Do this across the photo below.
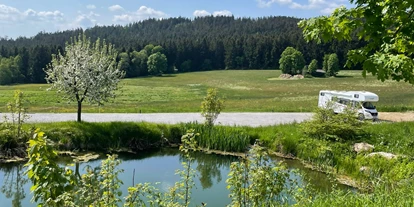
(326, 152)
(57, 186)
(252, 182)
(337, 155)
(383, 195)
(12, 135)
(386, 28)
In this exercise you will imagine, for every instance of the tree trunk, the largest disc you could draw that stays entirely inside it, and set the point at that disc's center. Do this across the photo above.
(79, 111)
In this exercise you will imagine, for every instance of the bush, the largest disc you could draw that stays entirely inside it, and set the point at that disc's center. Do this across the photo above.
(211, 106)
(326, 124)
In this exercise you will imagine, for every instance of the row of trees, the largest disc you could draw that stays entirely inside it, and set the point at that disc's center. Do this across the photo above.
(292, 62)
(24, 65)
(149, 61)
(10, 70)
(199, 44)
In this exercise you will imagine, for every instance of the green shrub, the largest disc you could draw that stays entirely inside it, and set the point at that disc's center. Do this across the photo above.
(326, 124)
(211, 106)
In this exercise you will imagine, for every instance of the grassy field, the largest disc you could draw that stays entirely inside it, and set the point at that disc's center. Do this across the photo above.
(242, 90)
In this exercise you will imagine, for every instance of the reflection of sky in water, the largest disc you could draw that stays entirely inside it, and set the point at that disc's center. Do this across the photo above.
(161, 167)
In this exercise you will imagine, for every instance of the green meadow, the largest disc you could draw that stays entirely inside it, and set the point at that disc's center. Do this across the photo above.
(242, 90)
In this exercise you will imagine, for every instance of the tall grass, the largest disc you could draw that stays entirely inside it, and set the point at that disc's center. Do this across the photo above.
(104, 136)
(141, 135)
(383, 195)
(224, 138)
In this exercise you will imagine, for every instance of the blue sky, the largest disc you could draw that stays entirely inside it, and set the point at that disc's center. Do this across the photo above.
(28, 17)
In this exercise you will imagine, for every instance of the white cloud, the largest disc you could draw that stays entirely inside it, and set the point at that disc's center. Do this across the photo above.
(268, 3)
(324, 6)
(142, 13)
(9, 14)
(83, 20)
(91, 6)
(328, 10)
(86, 20)
(222, 13)
(115, 8)
(201, 13)
(12, 15)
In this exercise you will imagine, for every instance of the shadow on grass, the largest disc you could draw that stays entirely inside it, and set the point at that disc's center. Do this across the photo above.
(167, 75)
(344, 76)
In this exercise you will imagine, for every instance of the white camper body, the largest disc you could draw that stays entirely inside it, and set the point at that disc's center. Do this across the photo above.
(361, 100)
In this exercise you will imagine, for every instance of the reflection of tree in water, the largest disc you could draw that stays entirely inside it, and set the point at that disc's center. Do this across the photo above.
(13, 183)
(209, 167)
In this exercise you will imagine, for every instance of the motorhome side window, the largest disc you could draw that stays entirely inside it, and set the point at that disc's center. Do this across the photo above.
(343, 101)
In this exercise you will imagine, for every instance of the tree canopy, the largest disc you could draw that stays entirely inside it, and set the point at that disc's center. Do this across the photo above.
(313, 66)
(333, 65)
(385, 26)
(157, 64)
(86, 71)
(291, 61)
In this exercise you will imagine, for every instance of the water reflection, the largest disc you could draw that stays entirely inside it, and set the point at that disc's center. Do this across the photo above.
(155, 166)
(13, 184)
(209, 167)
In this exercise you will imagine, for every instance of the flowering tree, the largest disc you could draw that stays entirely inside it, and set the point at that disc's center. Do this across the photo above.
(86, 71)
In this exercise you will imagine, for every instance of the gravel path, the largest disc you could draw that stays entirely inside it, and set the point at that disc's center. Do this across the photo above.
(241, 119)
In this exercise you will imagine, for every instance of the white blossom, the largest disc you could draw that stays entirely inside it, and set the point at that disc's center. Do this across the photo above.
(85, 71)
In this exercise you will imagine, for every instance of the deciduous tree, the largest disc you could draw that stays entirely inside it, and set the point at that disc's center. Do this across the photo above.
(87, 71)
(313, 66)
(291, 61)
(386, 26)
(333, 65)
(211, 106)
(157, 64)
(139, 62)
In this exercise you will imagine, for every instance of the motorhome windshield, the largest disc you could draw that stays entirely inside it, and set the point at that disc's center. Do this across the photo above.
(368, 105)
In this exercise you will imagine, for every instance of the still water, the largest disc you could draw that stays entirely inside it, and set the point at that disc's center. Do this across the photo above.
(157, 166)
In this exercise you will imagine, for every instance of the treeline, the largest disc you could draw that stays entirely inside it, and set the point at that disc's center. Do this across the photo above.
(23, 65)
(205, 43)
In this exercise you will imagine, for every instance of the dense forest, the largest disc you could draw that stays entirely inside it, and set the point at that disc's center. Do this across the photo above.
(205, 43)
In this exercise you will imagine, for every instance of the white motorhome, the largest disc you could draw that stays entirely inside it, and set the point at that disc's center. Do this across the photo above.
(361, 100)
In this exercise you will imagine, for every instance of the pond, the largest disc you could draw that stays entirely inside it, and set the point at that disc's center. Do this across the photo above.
(157, 166)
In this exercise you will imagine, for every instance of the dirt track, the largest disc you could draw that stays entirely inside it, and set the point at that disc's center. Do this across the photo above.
(396, 116)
